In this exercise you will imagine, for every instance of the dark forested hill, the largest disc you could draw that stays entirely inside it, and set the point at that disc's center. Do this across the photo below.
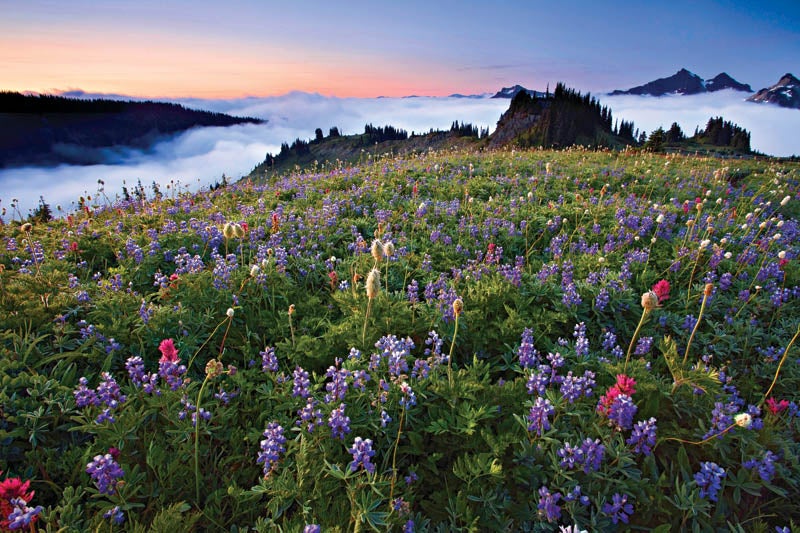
(47, 130)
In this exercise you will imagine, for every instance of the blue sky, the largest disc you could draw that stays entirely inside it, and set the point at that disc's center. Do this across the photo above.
(212, 49)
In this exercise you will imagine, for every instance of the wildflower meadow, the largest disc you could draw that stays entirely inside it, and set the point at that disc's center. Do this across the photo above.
(453, 341)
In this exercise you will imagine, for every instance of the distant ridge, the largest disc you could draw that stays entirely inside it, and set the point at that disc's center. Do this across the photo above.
(51, 130)
(785, 93)
(685, 82)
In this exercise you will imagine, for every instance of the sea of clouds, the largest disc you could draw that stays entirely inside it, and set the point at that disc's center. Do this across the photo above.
(199, 157)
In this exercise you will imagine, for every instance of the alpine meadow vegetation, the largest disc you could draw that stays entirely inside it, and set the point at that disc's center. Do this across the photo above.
(519, 340)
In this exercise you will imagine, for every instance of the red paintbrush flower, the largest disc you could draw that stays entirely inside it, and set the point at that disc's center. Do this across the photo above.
(662, 290)
(168, 352)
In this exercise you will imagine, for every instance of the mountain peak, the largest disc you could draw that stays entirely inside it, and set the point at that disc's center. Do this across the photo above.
(511, 92)
(685, 82)
(785, 93)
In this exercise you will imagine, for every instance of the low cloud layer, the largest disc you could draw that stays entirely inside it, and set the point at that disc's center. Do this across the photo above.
(774, 130)
(200, 157)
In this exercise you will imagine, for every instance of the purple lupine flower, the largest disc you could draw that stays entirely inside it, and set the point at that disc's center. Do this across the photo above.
(189, 407)
(337, 387)
(310, 415)
(385, 418)
(339, 423)
(85, 396)
(105, 472)
(108, 391)
(269, 361)
(395, 351)
(115, 514)
(538, 416)
(421, 369)
(556, 361)
(22, 516)
(300, 383)
(312, 528)
(765, 467)
(593, 454)
(643, 345)
(573, 387)
(619, 510)
(145, 312)
(548, 504)
(434, 350)
(135, 368)
(413, 292)
(171, 372)
(528, 356)
(538, 381)
(575, 495)
(362, 453)
(643, 436)
(224, 396)
(755, 413)
(360, 379)
(581, 342)
(271, 448)
(709, 479)
(409, 398)
(621, 412)
(408, 527)
(588, 456)
(721, 419)
(602, 299)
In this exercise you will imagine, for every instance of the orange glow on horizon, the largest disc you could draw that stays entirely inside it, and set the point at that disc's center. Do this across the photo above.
(153, 66)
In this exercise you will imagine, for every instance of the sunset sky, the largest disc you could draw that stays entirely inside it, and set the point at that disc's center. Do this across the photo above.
(211, 49)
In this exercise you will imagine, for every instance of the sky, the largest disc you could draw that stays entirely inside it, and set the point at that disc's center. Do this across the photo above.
(359, 48)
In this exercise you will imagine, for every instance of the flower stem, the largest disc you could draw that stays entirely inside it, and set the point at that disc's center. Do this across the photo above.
(645, 312)
(366, 318)
(450, 356)
(197, 419)
(696, 325)
(783, 360)
(394, 455)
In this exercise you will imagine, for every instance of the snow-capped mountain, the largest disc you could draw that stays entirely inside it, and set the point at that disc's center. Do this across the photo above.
(511, 92)
(785, 93)
(686, 82)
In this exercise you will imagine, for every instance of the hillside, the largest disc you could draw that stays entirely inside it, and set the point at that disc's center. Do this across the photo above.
(358, 147)
(49, 130)
(458, 340)
(564, 119)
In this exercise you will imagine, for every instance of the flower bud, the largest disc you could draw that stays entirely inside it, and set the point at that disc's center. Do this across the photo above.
(373, 283)
(388, 249)
(214, 368)
(291, 309)
(254, 271)
(649, 300)
(228, 231)
(743, 420)
(229, 312)
(377, 250)
(458, 306)
(708, 289)
(238, 231)
(26, 227)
